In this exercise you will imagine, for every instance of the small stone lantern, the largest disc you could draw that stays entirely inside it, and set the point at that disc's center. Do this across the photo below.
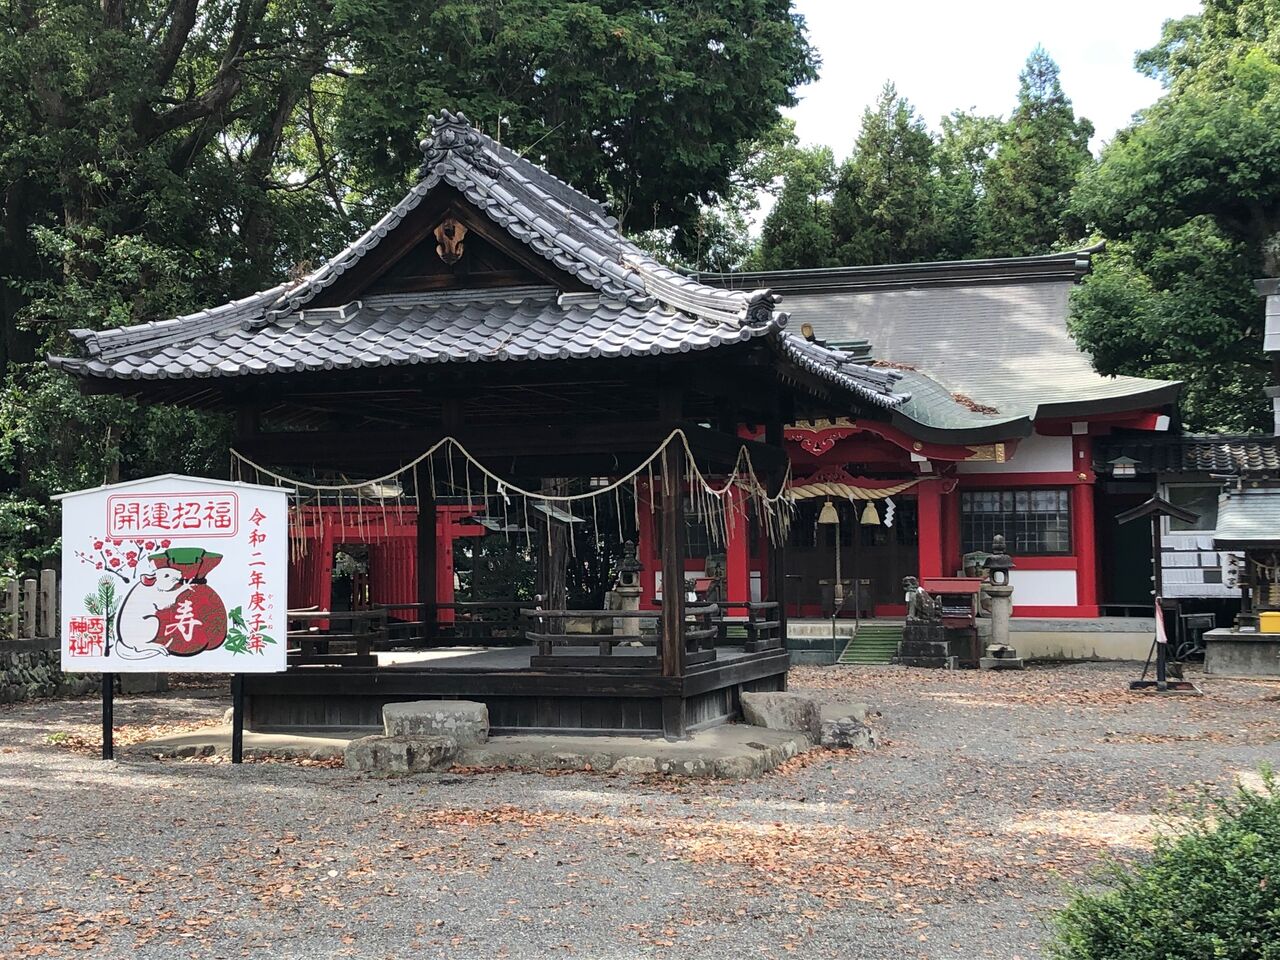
(626, 593)
(998, 563)
(1000, 656)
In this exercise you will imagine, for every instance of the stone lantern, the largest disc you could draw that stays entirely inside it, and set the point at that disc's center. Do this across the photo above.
(1000, 655)
(998, 562)
(625, 595)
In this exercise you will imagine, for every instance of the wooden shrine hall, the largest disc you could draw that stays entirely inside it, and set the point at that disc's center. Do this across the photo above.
(499, 318)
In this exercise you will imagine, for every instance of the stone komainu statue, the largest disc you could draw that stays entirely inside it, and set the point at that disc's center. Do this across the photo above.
(922, 606)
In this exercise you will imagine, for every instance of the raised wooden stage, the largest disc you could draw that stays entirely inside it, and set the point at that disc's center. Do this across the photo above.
(520, 699)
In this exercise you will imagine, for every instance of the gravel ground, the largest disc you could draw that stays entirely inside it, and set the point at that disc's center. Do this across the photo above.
(991, 794)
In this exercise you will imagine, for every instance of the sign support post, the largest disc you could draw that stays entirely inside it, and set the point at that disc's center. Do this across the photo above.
(237, 718)
(108, 715)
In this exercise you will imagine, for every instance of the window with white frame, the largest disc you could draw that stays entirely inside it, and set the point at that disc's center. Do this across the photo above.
(1201, 499)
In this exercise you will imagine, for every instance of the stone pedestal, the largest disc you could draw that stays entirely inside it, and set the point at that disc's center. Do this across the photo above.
(1001, 612)
(924, 645)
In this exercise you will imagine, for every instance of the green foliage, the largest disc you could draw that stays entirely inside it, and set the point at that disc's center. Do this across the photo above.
(884, 209)
(1211, 890)
(964, 150)
(1189, 197)
(1039, 154)
(797, 232)
(650, 105)
(163, 156)
(983, 186)
(102, 603)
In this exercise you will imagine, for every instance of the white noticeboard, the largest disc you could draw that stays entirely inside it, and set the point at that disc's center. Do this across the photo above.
(174, 574)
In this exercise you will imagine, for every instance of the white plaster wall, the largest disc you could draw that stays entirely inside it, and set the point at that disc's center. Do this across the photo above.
(1035, 454)
(1043, 588)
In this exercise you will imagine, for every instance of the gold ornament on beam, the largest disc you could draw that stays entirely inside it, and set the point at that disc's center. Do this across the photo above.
(870, 517)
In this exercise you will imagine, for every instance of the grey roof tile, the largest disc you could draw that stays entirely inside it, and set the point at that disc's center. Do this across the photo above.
(642, 306)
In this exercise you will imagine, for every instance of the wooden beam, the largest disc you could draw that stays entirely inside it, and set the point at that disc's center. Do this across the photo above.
(773, 433)
(516, 441)
(673, 548)
(427, 560)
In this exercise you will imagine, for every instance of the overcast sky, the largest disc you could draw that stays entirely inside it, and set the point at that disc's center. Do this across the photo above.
(948, 54)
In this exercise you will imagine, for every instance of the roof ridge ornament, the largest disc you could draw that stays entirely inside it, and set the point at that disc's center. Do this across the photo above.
(760, 307)
(452, 133)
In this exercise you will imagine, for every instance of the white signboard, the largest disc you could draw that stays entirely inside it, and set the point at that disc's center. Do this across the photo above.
(174, 574)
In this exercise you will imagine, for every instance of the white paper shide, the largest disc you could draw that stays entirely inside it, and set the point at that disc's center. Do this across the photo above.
(174, 574)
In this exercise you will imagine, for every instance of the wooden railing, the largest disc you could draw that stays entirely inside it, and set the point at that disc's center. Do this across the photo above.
(760, 624)
(550, 629)
(480, 623)
(336, 637)
(553, 629)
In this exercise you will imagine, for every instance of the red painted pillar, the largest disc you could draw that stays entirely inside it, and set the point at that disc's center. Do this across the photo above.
(737, 549)
(930, 512)
(646, 545)
(952, 551)
(1085, 546)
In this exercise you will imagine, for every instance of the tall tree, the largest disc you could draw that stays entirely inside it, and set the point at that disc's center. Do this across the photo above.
(965, 148)
(161, 155)
(797, 232)
(648, 104)
(1039, 154)
(1189, 199)
(883, 210)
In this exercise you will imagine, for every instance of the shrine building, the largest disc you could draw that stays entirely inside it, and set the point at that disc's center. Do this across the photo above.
(495, 358)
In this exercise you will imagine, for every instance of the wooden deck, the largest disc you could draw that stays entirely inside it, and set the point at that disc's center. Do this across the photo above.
(521, 699)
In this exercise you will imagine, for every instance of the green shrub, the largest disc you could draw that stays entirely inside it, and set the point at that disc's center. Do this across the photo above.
(1211, 890)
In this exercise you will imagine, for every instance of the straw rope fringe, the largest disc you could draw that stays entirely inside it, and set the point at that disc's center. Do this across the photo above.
(707, 498)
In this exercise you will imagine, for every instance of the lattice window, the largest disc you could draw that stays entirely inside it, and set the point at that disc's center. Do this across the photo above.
(1032, 521)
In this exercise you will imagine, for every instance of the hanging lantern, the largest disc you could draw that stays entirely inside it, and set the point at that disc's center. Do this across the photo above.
(870, 518)
(829, 514)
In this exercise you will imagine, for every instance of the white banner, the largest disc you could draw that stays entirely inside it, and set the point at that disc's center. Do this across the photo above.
(175, 574)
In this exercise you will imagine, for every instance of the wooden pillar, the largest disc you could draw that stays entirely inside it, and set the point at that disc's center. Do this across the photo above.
(673, 548)
(952, 549)
(777, 569)
(427, 562)
(930, 525)
(1084, 545)
(737, 566)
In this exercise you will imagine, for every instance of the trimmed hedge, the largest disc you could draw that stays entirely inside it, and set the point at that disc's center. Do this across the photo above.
(1209, 892)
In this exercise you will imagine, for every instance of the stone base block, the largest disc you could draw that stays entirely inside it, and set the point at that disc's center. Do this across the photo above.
(143, 682)
(400, 754)
(782, 711)
(845, 733)
(466, 721)
(1001, 663)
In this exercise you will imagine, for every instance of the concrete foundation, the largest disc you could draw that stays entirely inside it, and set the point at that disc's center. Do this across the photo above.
(1232, 654)
(1069, 638)
(729, 751)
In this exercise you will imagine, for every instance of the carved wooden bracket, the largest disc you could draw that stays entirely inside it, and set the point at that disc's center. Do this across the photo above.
(819, 436)
(449, 236)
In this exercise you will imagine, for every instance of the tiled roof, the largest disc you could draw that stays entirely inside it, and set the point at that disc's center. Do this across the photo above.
(639, 306)
(1248, 517)
(454, 327)
(992, 330)
(1192, 453)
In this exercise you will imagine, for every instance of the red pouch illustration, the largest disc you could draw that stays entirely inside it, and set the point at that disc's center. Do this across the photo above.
(197, 620)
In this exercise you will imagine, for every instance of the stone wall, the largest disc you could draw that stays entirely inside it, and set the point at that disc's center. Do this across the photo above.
(30, 668)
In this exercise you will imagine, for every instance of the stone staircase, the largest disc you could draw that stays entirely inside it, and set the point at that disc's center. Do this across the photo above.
(875, 642)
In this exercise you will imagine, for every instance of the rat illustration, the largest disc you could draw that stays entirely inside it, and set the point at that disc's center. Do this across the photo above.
(138, 623)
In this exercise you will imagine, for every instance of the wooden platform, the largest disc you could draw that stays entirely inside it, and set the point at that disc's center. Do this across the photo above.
(520, 698)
